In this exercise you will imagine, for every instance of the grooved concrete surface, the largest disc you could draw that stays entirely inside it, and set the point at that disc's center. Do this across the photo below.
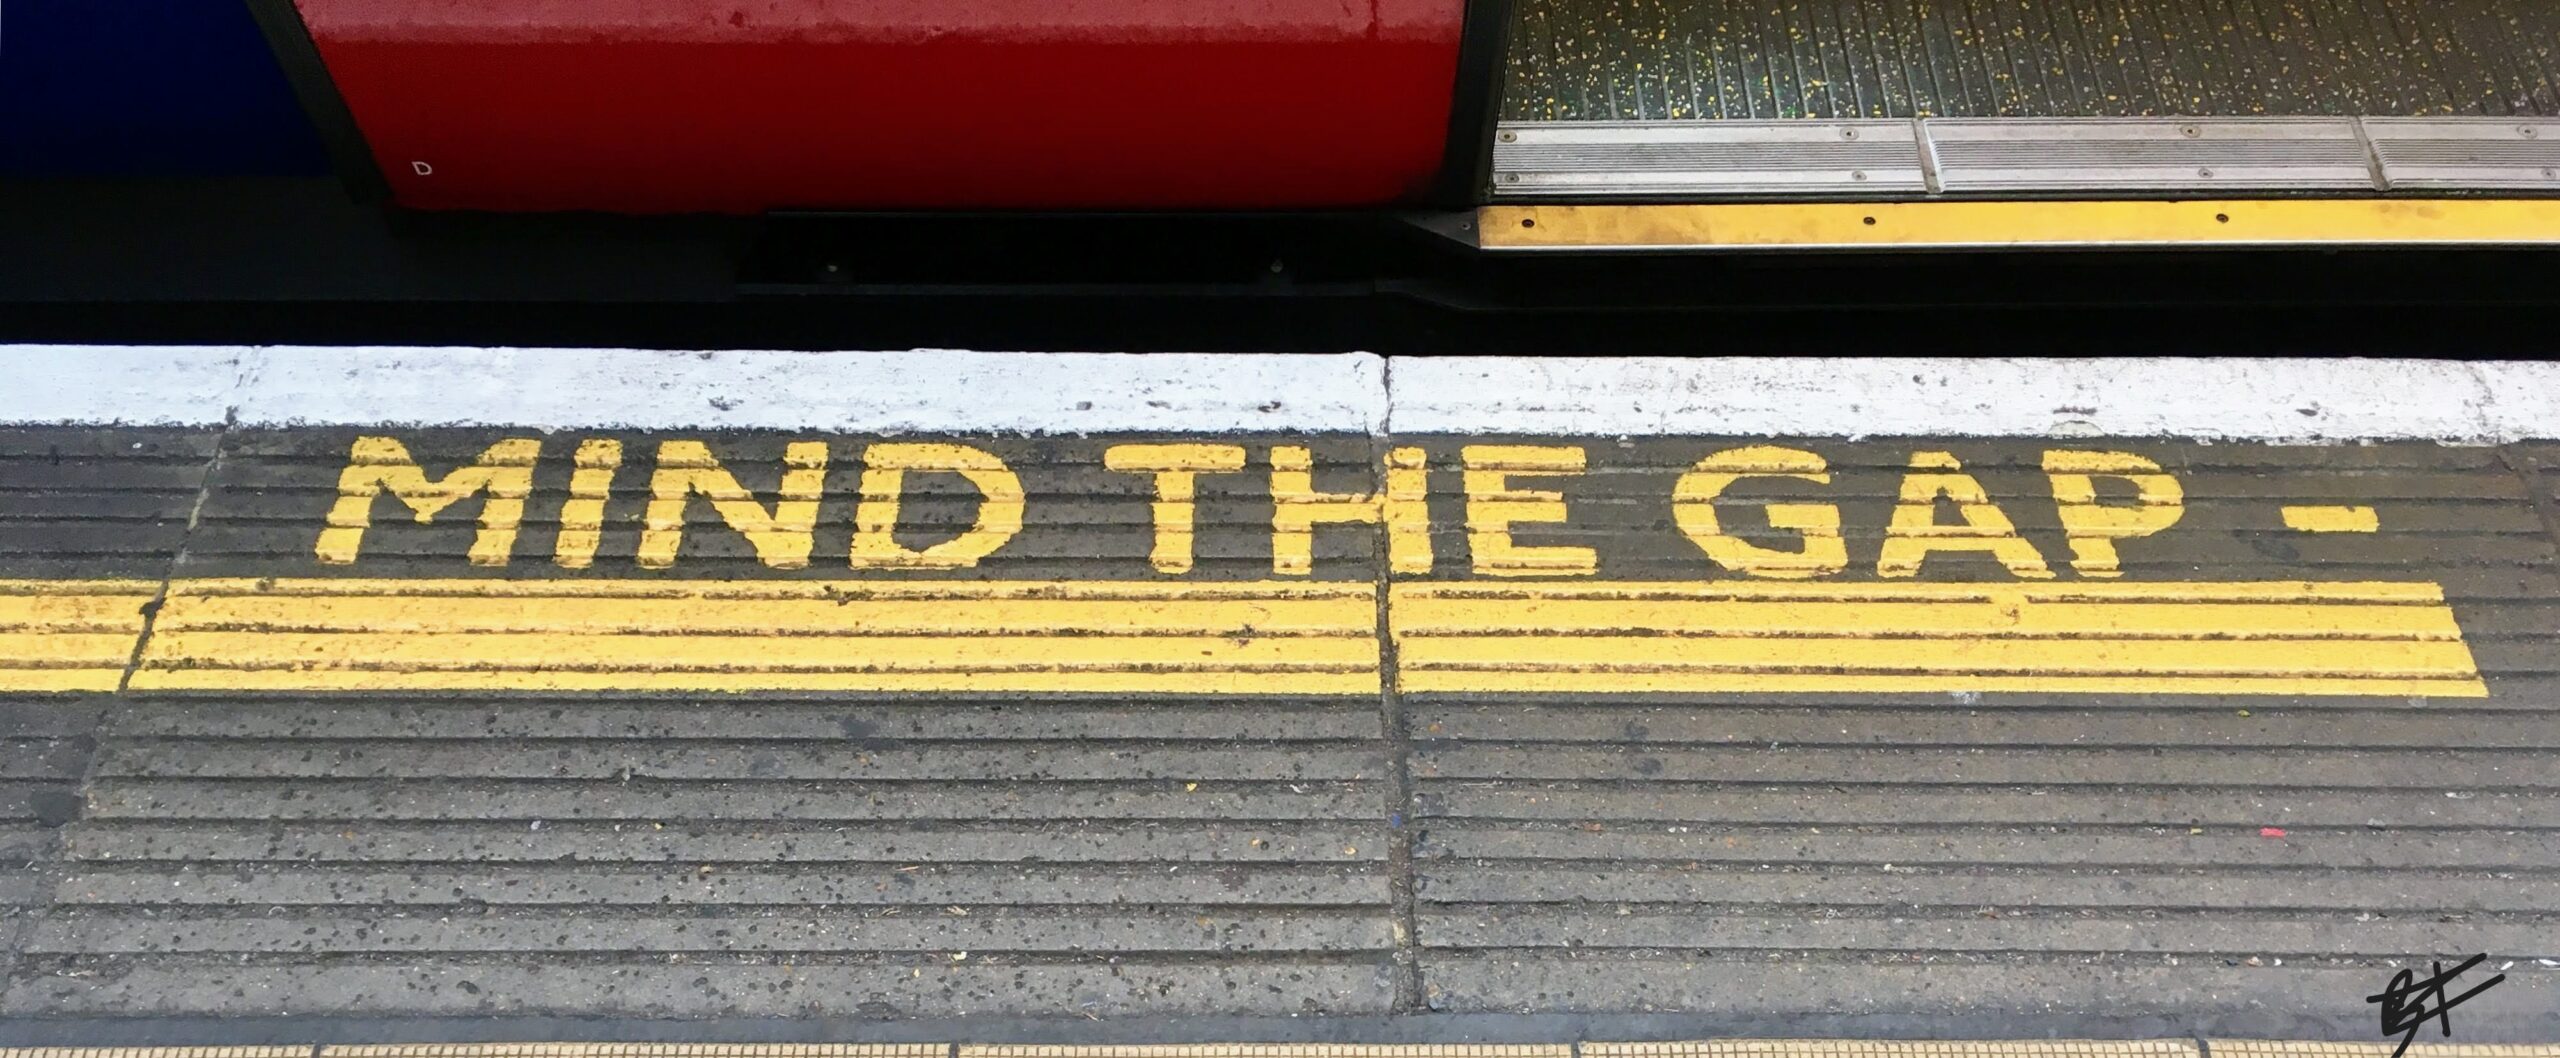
(1583, 60)
(2216, 860)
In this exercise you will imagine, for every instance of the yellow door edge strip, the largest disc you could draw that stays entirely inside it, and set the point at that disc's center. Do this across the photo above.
(1994, 225)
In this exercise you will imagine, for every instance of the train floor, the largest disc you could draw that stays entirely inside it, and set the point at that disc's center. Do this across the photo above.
(1660, 60)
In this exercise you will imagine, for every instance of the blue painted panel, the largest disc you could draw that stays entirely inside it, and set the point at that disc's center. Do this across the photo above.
(145, 88)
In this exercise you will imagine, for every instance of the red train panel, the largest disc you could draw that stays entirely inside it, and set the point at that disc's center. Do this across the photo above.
(654, 106)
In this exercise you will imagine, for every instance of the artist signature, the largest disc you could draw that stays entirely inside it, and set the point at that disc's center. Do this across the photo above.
(2412, 1001)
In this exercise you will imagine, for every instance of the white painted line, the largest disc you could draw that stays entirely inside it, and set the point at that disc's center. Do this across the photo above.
(117, 384)
(2291, 400)
(2524, 396)
(920, 391)
(928, 391)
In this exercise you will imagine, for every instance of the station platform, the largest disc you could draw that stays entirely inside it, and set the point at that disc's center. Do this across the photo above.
(1903, 100)
(1050, 705)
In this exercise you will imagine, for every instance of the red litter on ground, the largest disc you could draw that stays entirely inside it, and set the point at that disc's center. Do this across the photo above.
(2270, 832)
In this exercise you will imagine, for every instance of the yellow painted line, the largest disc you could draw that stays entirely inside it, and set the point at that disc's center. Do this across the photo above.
(1602, 655)
(1422, 614)
(2356, 639)
(1270, 1050)
(638, 1050)
(1898, 1049)
(2276, 591)
(1948, 224)
(91, 610)
(2310, 519)
(1475, 681)
(156, 1052)
(69, 635)
(318, 634)
(678, 649)
(2369, 1049)
(830, 590)
(1267, 637)
(781, 618)
(1720, 1048)
(1035, 681)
